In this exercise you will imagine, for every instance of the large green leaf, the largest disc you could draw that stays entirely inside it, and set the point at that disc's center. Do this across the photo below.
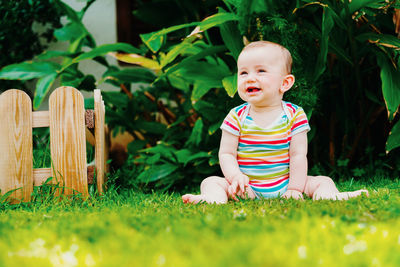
(137, 59)
(165, 150)
(106, 48)
(175, 51)
(201, 88)
(157, 172)
(204, 71)
(52, 54)
(76, 45)
(179, 82)
(356, 5)
(390, 83)
(216, 20)
(43, 86)
(196, 135)
(206, 110)
(386, 40)
(394, 137)
(72, 78)
(28, 70)
(186, 155)
(232, 38)
(204, 76)
(257, 6)
(154, 40)
(132, 75)
(71, 13)
(327, 25)
(230, 84)
(70, 32)
(191, 60)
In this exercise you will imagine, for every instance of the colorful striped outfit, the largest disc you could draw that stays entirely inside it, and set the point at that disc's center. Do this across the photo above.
(263, 153)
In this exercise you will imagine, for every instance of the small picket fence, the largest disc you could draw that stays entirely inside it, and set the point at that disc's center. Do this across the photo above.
(70, 127)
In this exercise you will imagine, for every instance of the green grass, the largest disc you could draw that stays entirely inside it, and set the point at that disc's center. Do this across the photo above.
(135, 229)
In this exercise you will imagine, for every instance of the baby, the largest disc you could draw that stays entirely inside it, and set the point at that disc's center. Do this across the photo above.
(263, 150)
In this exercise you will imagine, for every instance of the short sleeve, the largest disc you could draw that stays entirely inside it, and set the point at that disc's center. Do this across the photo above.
(299, 122)
(231, 123)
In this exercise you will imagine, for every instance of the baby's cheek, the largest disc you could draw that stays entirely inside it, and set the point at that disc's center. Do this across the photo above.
(242, 94)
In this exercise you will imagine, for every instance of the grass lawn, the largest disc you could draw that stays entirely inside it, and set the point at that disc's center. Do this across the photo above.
(134, 229)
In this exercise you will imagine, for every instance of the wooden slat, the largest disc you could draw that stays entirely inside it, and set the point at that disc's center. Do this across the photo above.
(106, 146)
(67, 139)
(40, 119)
(41, 175)
(16, 145)
(99, 132)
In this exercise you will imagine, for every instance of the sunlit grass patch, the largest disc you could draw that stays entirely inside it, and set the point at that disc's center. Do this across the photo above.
(136, 229)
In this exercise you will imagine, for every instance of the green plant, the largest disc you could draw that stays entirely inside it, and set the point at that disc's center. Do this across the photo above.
(44, 68)
(356, 73)
(193, 74)
(16, 30)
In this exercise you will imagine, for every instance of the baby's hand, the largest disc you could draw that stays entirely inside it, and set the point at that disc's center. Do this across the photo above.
(238, 186)
(293, 194)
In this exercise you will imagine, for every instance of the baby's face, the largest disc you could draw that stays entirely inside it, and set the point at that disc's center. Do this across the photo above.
(261, 71)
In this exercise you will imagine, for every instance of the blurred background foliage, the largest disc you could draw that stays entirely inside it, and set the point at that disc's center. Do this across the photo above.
(16, 31)
(180, 82)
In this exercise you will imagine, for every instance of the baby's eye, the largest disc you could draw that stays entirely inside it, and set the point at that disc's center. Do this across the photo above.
(243, 73)
(262, 70)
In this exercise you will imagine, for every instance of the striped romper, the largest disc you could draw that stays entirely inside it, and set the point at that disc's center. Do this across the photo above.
(263, 153)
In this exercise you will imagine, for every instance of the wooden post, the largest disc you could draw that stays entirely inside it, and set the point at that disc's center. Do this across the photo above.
(16, 145)
(100, 148)
(67, 139)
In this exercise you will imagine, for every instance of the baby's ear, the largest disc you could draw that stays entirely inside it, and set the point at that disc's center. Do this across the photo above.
(287, 83)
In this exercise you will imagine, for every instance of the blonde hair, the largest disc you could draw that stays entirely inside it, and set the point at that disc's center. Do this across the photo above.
(285, 52)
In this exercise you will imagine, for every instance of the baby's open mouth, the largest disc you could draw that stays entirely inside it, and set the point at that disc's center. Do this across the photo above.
(252, 89)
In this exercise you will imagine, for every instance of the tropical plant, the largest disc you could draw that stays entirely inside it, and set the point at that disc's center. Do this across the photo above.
(194, 86)
(351, 42)
(357, 73)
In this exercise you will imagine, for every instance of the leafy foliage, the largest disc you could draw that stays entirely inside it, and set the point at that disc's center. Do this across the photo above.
(354, 38)
(46, 71)
(331, 32)
(346, 63)
(16, 32)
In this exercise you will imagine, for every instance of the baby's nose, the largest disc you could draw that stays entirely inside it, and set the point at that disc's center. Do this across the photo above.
(250, 77)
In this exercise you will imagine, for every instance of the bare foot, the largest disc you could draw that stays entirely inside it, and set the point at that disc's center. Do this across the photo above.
(340, 195)
(352, 194)
(194, 199)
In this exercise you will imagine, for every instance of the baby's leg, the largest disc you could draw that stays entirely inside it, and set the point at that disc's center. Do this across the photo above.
(212, 190)
(322, 187)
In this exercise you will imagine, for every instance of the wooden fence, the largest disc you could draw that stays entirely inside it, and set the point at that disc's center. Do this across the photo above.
(70, 127)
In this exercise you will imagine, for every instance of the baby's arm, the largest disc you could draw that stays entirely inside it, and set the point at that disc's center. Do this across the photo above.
(229, 165)
(298, 166)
